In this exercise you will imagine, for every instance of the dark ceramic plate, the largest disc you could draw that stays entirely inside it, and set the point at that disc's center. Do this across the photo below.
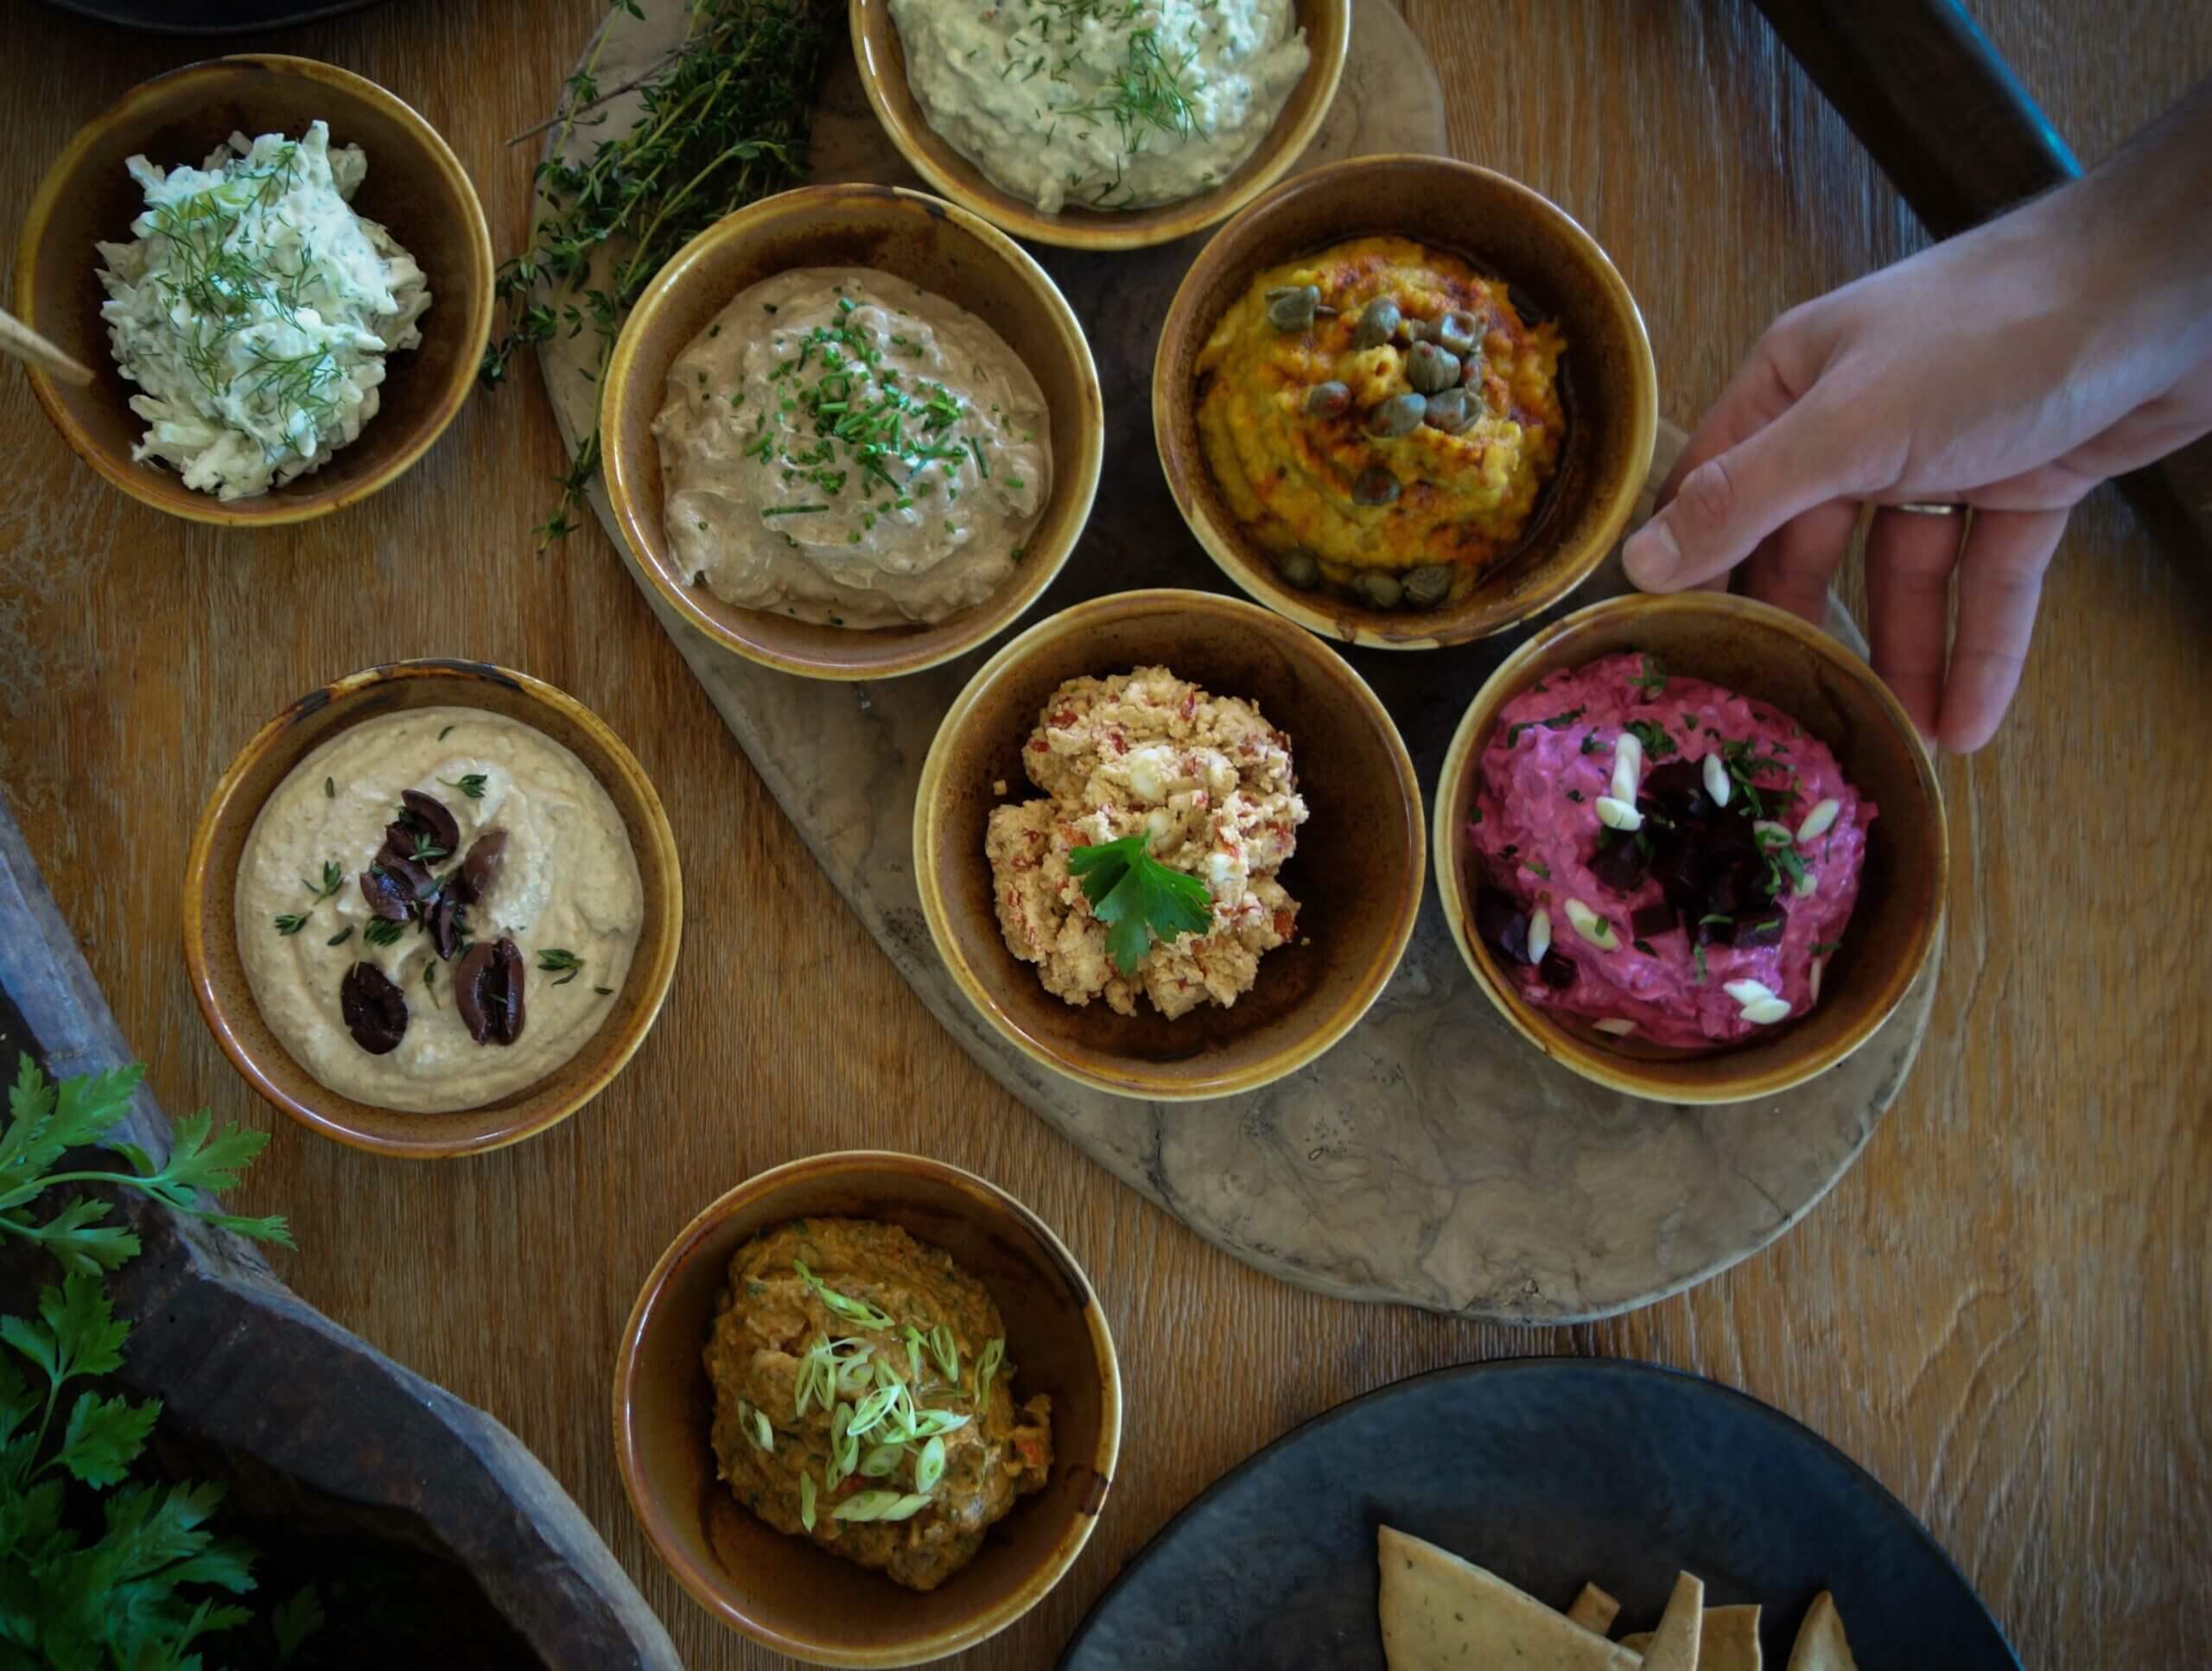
(1549, 1471)
(207, 16)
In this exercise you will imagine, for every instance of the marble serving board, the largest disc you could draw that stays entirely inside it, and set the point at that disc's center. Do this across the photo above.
(1431, 1158)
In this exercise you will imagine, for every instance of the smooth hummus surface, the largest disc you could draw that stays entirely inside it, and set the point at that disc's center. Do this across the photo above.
(1710, 920)
(1206, 778)
(1103, 104)
(863, 1398)
(565, 891)
(844, 448)
(1414, 426)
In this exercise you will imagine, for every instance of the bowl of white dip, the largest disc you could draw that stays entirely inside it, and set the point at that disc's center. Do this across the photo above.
(281, 276)
(1111, 127)
(432, 908)
(851, 432)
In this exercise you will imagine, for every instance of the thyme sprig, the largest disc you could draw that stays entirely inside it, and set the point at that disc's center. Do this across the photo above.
(722, 122)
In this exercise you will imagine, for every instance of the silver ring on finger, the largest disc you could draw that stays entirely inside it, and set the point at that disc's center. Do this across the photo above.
(1929, 507)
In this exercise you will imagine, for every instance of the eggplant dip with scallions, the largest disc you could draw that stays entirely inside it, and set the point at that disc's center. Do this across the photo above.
(863, 1398)
(845, 448)
(1666, 859)
(436, 908)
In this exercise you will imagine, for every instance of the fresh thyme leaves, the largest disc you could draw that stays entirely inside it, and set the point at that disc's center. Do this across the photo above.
(723, 122)
(470, 784)
(329, 789)
(342, 937)
(604, 992)
(553, 959)
(333, 879)
(430, 981)
(1139, 897)
(291, 922)
(380, 932)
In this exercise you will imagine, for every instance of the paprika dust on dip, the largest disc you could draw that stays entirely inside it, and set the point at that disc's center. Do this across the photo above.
(1664, 858)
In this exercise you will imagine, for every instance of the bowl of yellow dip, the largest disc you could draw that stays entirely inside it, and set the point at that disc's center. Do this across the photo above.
(1405, 401)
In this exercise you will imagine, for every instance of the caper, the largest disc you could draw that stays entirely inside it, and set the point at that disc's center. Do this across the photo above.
(1298, 568)
(1459, 330)
(1431, 369)
(1328, 400)
(1446, 409)
(1382, 590)
(1401, 414)
(1428, 586)
(1376, 323)
(1374, 486)
(1292, 308)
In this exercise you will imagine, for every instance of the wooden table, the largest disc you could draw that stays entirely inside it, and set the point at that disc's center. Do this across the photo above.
(2002, 1311)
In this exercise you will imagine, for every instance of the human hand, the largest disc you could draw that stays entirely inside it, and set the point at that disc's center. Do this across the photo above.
(2012, 369)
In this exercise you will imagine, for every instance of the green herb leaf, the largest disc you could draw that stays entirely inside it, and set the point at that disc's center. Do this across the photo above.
(470, 784)
(554, 959)
(1139, 897)
(1657, 744)
(291, 922)
(1654, 675)
(103, 1438)
(857, 1310)
(294, 1620)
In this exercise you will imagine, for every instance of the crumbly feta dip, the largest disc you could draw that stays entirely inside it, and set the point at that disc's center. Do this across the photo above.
(1206, 778)
(255, 309)
(565, 890)
(845, 448)
(1103, 104)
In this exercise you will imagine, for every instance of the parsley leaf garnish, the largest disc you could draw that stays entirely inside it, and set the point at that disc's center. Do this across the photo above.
(1139, 897)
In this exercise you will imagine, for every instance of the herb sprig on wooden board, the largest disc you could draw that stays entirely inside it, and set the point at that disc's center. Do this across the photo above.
(724, 121)
(1139, 897)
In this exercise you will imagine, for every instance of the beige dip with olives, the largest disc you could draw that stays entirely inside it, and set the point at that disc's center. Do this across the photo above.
(563, 888)
(1209, 783)
(844, 448)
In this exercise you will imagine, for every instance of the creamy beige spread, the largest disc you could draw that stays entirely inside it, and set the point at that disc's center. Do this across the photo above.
(1206, 778)
(845, 447)
(566, 892)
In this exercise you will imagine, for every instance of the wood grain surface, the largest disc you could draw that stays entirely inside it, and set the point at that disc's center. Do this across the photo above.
(2002, 1311)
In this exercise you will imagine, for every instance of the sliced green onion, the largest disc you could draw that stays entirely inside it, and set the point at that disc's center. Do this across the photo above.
(806, 1500)
(986, 1367)
(858, 1311)
(882, 1462)
(880, 1505)
(929, 1467)
(946, 1351)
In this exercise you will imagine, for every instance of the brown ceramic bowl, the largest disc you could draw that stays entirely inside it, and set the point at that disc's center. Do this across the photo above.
(1357, 872)
(211, 949)
(882, 59)
(929, 243)
(786, 1592)
(1773, 657)
(416, 186)
(1503, 228)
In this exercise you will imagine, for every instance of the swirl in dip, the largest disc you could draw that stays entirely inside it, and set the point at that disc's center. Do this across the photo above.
(1101, 104)
(1709, 919)
(845, 448)
(863, 1398)
(562, 888)
(1396, 445)
(1209, 783)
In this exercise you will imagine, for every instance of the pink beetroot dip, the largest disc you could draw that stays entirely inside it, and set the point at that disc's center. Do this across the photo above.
(1536, 828)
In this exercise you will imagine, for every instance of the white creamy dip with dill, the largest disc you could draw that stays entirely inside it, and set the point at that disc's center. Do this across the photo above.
(567, 885)
(1103, 104)
(255, 309)
(842, 446)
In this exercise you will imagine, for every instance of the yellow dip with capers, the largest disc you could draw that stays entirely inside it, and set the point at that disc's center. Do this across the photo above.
(1380, 406)
(864, 1398)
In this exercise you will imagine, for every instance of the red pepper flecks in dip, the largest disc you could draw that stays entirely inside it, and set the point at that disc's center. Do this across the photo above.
(1694, 918)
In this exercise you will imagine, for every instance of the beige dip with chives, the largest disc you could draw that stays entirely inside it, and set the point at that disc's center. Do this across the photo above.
(844, 448)
(566, 883)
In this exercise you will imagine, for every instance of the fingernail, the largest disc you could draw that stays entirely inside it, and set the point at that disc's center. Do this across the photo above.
(1651, 554)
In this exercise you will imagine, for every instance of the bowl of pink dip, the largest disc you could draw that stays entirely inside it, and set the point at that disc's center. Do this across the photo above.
(1691, 846)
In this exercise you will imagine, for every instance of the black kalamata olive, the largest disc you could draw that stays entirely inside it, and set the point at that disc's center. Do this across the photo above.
(487, 992)
(375, 1010)
(386, 894)
(481, 867)
(431, 812)
(444, 918)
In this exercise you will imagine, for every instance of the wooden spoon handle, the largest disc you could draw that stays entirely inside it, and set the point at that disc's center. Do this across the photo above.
(19, 340)
(1961, 140)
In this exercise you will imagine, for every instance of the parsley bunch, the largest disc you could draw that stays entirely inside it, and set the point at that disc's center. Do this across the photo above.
(724, 121)
(1138, 897)
(136, 1594)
